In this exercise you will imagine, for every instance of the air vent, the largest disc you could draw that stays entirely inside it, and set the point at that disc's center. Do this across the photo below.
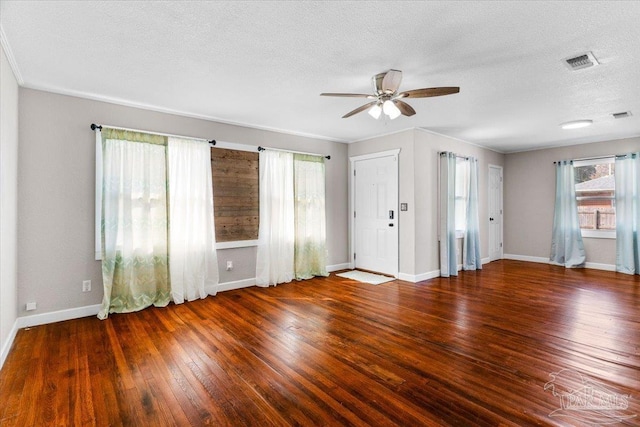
(621, 115)
(584, 60)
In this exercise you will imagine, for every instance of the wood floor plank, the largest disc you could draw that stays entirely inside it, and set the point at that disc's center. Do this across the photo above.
(472, 350)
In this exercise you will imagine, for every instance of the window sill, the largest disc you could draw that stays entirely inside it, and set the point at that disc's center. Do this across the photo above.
(237, 244)
(599, 234)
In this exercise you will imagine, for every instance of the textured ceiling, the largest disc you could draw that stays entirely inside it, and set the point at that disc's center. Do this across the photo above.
(264, 64)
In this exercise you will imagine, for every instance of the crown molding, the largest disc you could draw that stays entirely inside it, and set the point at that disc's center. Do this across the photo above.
(12, 60)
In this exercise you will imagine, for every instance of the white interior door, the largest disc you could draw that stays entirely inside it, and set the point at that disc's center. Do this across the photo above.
(495, 213)
(376, 214)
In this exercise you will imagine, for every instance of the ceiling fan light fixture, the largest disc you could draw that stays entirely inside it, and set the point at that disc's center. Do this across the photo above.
(390, 109)
(375, 111)
(386, 98)
(576, 124)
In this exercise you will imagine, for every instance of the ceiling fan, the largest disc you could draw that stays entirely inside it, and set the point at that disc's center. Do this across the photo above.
(387, 99)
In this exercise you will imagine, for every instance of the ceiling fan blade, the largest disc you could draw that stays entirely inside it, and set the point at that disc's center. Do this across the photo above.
(404, 108)
(376, 82)
(359, 109)
(428, 92)
(391, 81)
(348, 95)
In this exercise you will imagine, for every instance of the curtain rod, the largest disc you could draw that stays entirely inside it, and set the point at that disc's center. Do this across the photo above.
(295, 152)
(95, 126)
(595, 158)
(440, 153)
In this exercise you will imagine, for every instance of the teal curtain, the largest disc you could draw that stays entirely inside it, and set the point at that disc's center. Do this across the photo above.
(310, 252)
(134, 222)
(567, 248)
(627, 213)
(448, 258)
(471, 259)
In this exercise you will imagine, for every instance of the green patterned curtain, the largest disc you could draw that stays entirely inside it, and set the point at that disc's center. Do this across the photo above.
(134, 222)
(310, 252)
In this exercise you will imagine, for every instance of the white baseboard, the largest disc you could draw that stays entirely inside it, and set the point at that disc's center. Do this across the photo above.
(527, 258)
(6, 346)
(543, 260)
(238, 284)
(407, 277)
(415, 278)
(57, 316)
(599, 266)
(336, 267)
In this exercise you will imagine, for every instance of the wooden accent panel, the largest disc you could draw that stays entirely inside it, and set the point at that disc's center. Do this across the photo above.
(236, 194)
(472, 350)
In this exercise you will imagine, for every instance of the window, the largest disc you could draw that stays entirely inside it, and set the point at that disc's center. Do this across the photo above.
(462, 194)
(595, 194)
(236, 195)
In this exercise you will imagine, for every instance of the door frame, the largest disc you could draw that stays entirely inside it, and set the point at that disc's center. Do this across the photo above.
(352, 203)
(501, 169)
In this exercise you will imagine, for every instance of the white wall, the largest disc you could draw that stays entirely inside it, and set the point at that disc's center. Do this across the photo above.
(418, 181)
(530, 197)
(8, 204)
(56, 187)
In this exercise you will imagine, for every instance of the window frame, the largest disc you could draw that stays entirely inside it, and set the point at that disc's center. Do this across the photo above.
(597, 234)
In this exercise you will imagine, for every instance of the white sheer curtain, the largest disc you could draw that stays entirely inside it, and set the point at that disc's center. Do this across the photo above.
(276, 236)
(310, 223)
(158, 241)
(627, 213)
(471, 259)
(134, 222)
(448, 259)
(567, 248)
(193, 264)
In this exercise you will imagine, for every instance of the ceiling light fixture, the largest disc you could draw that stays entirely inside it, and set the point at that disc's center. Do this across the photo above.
(390, 109)
(576, 124)
(375, 111)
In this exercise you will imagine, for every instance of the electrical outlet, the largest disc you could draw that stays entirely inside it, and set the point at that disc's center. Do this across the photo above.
(229, 265)
(31, 306)
(86, 286)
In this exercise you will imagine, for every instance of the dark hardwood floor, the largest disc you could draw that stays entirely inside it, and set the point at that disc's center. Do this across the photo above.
(476, 350)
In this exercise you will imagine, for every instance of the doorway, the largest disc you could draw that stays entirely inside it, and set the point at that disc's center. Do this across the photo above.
(495, 213)
(374, 217)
